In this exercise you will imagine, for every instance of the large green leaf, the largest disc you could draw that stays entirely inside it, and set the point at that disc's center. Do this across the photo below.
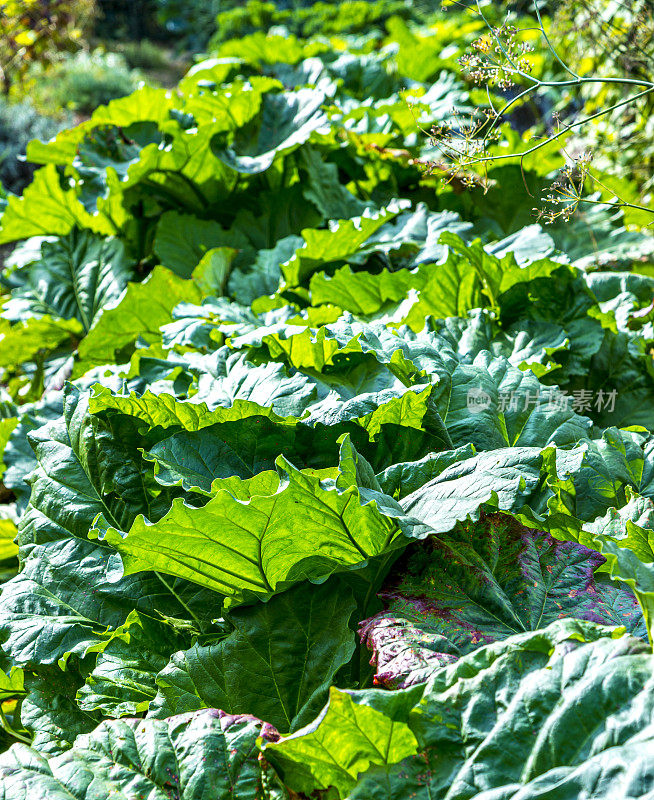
(403, 478)
(69, 598)
(340, 346)
(85, 468)
(413, 237)
(611, 244)
(236, 379)
(286, 121)
(281, 678)
(576, 718)
(344, 741)
(481, 399)
(269, 48)
(624, 299)
(560, 297)
(466, 277)
(165, 411)
(303, 347)
(483, 582)
(324, 189)
(49, 711)
(564, 711)
(122, 682)
(209, 754)
(505, 479)
(69, 594)
(343, 239)
(184, 175)
(614, 464)
(527, 344)
(364, 293)
(182, 240)
(264, 276)
(18, 455)
(76, 277)
(259, 536)
(232, 106)
(469, 278)
(46, 208)
(242, 447)
(140, 312)
(145, 104)
(493, 404)
(248, 444)
(34, 337)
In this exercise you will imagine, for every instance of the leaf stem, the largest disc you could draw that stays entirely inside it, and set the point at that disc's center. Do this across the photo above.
(180, 601)
(10, 730)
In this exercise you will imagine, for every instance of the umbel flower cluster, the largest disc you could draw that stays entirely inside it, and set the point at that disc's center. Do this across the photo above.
(497, 58)
(498, 61)
(564, 194)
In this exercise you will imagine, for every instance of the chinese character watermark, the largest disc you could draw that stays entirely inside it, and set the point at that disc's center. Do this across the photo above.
(581, 401)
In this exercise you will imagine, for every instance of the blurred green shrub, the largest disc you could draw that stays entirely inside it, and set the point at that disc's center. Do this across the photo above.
(19, 123)
(84, 81)
(317, 19)
(190, 23)
(143, 55)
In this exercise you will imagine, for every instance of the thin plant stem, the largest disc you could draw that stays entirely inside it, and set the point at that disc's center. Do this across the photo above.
(550, 45)
(10, 730)
(180, 601)
(563, 131)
